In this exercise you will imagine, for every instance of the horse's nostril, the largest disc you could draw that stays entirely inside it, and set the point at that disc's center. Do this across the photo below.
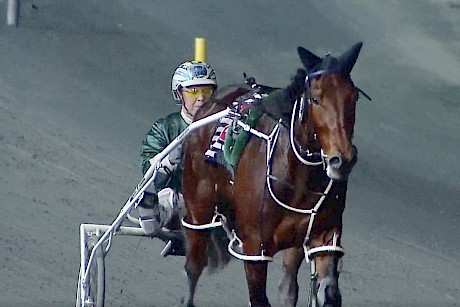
(335, 161)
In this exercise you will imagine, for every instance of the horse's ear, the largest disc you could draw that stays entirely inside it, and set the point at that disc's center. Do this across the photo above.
(348, 59)
(309, 60)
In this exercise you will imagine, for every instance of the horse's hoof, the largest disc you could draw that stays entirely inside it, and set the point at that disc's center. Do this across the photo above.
(189, 304)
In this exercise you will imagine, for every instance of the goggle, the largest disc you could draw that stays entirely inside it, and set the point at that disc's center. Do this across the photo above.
(195, 92)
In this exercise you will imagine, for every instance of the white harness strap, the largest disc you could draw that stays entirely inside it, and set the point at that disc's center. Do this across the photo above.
(235, 250)
(271, 143)
(310, 252)
(215, 222)
(232, 249)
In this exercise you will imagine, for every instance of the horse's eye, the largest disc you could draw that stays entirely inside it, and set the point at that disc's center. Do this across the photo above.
(315, 100)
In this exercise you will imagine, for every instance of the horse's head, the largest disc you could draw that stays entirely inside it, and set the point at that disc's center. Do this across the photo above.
(331, 97)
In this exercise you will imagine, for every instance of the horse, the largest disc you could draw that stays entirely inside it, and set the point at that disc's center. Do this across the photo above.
(288, 189)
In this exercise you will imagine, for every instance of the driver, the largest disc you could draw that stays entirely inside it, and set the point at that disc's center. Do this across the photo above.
(192, 85)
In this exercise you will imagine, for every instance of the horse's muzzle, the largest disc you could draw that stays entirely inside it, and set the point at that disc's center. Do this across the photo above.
(335, 162)
(338, 168)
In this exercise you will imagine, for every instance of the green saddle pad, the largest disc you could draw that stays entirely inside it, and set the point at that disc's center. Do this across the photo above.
(234, 145)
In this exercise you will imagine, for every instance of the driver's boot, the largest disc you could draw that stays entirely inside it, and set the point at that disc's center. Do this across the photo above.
(149, 214)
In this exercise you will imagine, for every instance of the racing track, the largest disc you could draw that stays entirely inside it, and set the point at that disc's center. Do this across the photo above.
(82, 81)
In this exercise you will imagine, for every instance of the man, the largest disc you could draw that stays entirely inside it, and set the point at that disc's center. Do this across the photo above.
(192, 85)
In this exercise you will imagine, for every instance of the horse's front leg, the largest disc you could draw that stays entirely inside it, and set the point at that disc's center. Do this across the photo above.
(256, 276)
(289, 288)
(327, 280)
(196, 259)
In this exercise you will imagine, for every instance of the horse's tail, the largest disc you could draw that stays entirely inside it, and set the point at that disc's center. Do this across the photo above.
(218, 255)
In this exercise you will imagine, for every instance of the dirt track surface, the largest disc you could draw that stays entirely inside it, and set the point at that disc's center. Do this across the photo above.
(82, 81)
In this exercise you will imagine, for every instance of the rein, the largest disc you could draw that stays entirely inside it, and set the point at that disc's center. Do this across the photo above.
(311, 158)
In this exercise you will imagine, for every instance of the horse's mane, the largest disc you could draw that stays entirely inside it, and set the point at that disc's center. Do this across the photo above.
(230, 93)
(278, 106)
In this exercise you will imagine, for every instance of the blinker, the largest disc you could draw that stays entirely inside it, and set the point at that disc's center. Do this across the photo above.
(307, 86)
(314, 100)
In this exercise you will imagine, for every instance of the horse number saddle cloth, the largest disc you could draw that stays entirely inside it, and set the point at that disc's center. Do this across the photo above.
(229, 139)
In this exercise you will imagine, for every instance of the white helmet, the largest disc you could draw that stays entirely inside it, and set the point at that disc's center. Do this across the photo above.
(192, 73)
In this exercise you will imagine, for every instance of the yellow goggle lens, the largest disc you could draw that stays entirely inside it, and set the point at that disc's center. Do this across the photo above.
(194, 92)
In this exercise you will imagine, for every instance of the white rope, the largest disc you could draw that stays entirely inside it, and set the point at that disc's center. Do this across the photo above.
(291, 137)
(214, 223)
(233, 238)
(235, 254)
(271, 142)
(325, 248)
(310, 252)
(315, 210)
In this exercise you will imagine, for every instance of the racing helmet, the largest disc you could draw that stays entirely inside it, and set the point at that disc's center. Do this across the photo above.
(192, 73)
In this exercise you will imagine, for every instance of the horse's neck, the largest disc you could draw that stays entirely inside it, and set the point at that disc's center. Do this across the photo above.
(223, 98)
(228, 94)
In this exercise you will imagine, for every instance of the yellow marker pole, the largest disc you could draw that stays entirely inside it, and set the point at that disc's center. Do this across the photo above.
(12, 14)
(200, 49)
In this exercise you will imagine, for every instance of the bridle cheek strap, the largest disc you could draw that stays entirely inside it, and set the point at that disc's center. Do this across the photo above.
(304, 159)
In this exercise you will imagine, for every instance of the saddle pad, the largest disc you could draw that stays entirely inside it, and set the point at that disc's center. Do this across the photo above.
(215, 153)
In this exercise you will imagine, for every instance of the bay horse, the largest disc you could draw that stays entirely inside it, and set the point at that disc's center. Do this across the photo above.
(288, 189)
